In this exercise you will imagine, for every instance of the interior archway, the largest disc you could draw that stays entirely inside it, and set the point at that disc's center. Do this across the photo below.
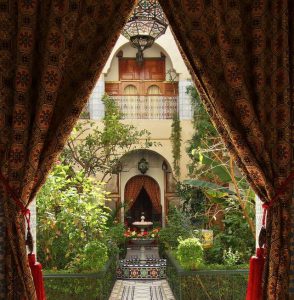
(142, 195)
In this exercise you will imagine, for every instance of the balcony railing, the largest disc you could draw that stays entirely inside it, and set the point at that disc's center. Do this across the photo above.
(147, 107)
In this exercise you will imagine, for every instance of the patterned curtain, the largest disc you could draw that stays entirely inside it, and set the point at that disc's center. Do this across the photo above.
(51, 54)
(132, 189)
(135, 185)
(239, 55)
(153, 191)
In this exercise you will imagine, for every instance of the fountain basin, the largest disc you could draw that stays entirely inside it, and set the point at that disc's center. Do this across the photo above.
(142, 242)
(142, 224)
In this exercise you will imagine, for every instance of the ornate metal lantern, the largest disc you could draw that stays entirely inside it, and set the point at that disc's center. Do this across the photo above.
(146, 24)
(143, 165)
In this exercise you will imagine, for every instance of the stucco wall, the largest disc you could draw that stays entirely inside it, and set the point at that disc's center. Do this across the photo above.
(160, 132)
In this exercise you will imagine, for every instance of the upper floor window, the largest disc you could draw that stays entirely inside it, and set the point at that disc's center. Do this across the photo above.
(153, 90)
(130, 90)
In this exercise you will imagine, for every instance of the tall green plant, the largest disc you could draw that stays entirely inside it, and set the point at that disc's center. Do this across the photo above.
(211, 163)
(176, 140)
(71, 213)
(96, 148)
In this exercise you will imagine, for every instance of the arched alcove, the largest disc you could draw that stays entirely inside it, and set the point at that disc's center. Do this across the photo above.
(142, 195)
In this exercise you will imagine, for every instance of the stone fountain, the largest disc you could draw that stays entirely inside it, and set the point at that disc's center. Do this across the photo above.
(142, 225)
(142, 267)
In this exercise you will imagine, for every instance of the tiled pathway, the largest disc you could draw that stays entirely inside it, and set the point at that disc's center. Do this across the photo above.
(142, 289)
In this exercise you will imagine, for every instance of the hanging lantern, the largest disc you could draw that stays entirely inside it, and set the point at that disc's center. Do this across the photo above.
(146, 24)
(143, 165)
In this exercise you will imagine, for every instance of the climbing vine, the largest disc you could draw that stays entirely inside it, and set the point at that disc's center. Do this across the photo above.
(176, 139)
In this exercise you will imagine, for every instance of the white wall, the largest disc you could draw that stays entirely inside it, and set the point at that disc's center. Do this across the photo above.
(96, 106)
(258, 218)
(32, 207)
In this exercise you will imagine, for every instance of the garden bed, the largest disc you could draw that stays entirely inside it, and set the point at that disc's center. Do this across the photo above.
(79, 286)
(205, 284)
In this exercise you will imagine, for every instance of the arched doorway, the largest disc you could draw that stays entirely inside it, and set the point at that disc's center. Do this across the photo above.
(142, 195)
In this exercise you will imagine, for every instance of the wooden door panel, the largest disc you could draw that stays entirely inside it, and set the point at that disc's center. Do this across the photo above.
(112, 88)
(129, 69)
(154, 69)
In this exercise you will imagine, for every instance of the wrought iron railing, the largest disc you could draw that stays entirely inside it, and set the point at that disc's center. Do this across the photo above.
(147, 107)
(206, 284)
(79, 286)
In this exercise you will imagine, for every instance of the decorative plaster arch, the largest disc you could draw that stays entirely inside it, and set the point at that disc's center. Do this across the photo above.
(122, 44)
(169, 165)
(130, 170)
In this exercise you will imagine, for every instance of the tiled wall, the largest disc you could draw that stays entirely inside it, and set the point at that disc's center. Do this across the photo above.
(185, 109)
(96, 106)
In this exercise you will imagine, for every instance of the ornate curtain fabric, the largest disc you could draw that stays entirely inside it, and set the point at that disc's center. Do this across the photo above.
(135, 185)
(51, 54)
(132, 189)
(240, 54)
(153, 191)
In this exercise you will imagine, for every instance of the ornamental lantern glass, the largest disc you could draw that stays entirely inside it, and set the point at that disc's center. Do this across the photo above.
(145, 25)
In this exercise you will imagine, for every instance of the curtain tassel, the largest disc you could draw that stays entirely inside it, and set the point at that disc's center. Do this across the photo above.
(36, 269)
(256, 264)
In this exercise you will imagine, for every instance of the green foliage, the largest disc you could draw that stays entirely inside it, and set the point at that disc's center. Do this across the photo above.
(115, 239)
(193, 203)
(231, 257)
(178, 226)
(236, 236)
(202, 284)
(71, 213)
(97, 149)
(190, 253)
(90, 286)
(204, 131)
(204, 196)
(92, 258)
(176, 143)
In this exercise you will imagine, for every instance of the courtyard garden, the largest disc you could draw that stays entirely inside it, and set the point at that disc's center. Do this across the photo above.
(209, 235)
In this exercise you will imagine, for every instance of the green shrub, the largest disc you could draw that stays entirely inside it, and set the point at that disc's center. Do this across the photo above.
(178, 226)
(231, 258)
(92, 258)
(71, 213)
(115, 239)
(190, 253)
